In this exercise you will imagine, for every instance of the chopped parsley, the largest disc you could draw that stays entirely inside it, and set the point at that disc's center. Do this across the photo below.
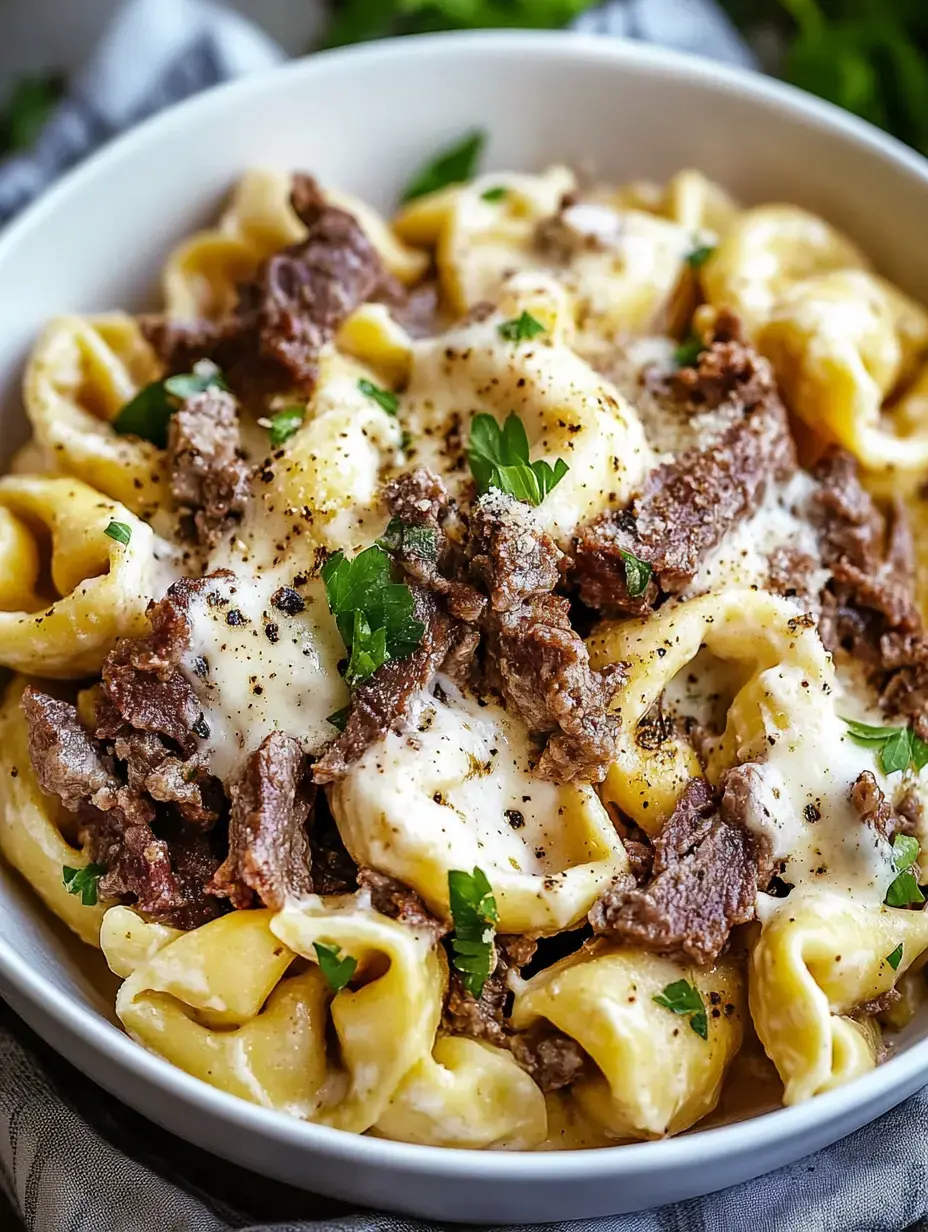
(119, 531)
(383, 397)
(284, 423)
(83, 881)
(687, 354)
(374, 614)
(895, 958)
(410, 540)
(521, 328)
(473, 909)
(699, 255)
(452, 166)
(637, 573)
(147, 414)
(899, 747)
(494, 194)
(904, 891)
(682, 997)
(337, 971)
(339, 718)
(499, 459)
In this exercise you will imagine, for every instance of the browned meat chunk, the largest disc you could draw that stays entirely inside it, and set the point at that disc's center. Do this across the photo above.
(292, 307)
(791, 573)
(268, 839)
(554, 1060)
(423, 538)
(869, 608)
(484, 1017)
(394, 899)
(875, 810)
(153, 770)
(704, 881)
(209, 477)
(727, 372)
(689, 505)
(381, 704)
(534, 657)
(67, 761)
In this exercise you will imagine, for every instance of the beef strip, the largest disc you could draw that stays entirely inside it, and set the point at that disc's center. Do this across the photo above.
(382, 703)
(688, 505)
(269, 855)
(728, 371)
(209, 477)
(162, 873)
(396, 900)
(533, 655)
(869, 609)
(704, 878)
(791, 573)
(419, 499)
(553, 1059)
(293, 306)
(873, 809)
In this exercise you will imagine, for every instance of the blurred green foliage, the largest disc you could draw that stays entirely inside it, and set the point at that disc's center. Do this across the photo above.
(354, 20)
(29, 105)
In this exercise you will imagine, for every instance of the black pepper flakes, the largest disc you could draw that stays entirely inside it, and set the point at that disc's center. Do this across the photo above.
(235, 617)
(515, 818)
(272, 632)
(288, 601)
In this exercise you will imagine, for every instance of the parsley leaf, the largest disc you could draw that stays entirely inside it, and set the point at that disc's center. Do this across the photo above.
(374, 614)
(338, 971)
(687, 354)
(895, 958)
(419, 541)
(699, 255)
(493, 195)
(452, 166)
(681, 997)
(637, 573)
(148, 413)
(473, 909)
(904, 891)
(383, 397)
(499, 459)
(899, 747)
(521, 328)
(339, 718)
(119, 531)
(83, 881)
(284, 424)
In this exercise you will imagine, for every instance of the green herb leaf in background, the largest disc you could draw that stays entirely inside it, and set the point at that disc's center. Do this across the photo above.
(452, 166)
(386, 400)
(899, 747)
(357, 20)
(284, 424)
(83, 881)
(30, 104)
(337, 971)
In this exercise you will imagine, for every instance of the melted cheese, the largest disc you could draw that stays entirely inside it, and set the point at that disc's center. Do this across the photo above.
(256, 669)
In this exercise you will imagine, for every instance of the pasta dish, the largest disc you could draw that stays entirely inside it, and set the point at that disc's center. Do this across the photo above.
(468, 673)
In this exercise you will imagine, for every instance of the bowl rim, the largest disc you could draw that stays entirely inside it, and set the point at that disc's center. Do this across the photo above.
(111, 1044)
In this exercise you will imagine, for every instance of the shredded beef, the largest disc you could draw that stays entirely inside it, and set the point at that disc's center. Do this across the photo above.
(704, 881)
(728, 370)
(868, 608)
(268, 841)
(553, 1059)
(484, 1017)
(878, 1005)
(67, 761)
(161, 866)
(293, 306)
(533, 655)
(381, 704)
(791, 573)
(209, 477)
(688, 505)
(419, 499)
(396, 900)
(154, 770)
(875, 810)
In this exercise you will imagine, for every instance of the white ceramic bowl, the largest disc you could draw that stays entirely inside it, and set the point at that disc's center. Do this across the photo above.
(363, 119)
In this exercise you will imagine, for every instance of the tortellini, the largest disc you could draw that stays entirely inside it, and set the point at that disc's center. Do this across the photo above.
(654, 1074)
(469, 798)
(100, 586)
(815, 964)
(35, 830)
(81, 373)
(569, 411)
